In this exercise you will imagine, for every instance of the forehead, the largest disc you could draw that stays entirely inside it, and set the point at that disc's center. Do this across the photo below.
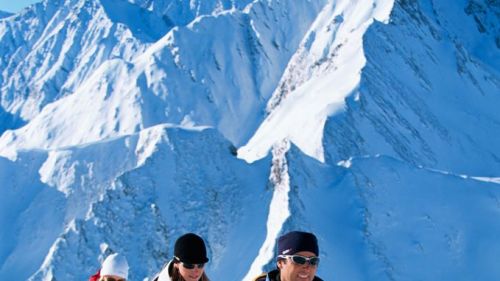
(113, 276)
(305, 254)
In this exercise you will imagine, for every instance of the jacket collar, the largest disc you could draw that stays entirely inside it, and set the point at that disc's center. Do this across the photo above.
(273, 275)
(164, 274)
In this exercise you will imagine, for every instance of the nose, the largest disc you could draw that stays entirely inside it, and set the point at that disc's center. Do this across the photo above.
(307, 265)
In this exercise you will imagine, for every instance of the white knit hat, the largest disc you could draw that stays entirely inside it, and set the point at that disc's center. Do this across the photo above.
(115, 264)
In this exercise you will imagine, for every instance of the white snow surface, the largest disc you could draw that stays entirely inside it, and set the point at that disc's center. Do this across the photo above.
(299, 114)
(372, 123)
(279, 211)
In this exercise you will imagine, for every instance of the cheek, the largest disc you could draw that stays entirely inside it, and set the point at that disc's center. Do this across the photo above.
(182, 271)
(284, 269)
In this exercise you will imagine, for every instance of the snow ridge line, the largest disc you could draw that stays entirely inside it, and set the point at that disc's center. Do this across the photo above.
(279, 209)
(495, 180)
(325, 70)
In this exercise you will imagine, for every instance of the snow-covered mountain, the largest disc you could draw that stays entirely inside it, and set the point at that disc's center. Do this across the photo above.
(372, 123)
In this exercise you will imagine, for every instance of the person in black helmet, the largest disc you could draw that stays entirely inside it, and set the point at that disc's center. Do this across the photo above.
(188, 263)
(297, 258)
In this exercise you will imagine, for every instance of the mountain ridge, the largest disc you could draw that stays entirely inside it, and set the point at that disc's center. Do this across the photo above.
(142, 139)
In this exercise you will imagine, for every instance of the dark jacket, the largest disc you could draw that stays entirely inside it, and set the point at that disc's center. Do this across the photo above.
(275, 276)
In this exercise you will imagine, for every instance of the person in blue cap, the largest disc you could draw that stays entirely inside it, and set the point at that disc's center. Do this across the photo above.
(297, 259)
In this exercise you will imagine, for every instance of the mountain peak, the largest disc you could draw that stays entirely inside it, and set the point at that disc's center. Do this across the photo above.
(371, 123)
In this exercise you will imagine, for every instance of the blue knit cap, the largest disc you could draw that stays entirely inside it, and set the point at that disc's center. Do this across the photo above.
(297, 241)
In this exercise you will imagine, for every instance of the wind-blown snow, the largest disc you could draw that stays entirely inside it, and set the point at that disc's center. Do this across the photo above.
(485, 179)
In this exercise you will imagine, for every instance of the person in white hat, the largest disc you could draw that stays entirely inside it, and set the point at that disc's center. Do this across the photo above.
(114, 268)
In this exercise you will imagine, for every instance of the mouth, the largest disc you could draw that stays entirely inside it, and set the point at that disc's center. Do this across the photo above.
(303, 276)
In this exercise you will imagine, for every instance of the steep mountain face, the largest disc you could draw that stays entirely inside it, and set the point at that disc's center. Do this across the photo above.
(428, 93)
(181, 13)
(426, 100)
(51, 48)
(170, 81)
(373, 124)
(385, 219)
(29, 214)
(144, 209)
(322, 73)
(419, 138)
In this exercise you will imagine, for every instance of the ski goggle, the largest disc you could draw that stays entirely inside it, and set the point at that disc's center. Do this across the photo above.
(106, 278)
(313, 261)
(190, 265)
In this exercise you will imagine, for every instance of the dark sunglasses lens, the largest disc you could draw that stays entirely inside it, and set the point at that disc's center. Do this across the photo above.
(314, 261)
(299, 260)
(303, 260)
(192, 265)
(188, 265)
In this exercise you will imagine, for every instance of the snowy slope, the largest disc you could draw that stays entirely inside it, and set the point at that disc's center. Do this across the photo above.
(428, 102)
(374, 124)
(52, 47)
(158, 199)
(388, 220)
(29, 215)
(224, 94)
(321, 74)
(161, 200)
(420, 136)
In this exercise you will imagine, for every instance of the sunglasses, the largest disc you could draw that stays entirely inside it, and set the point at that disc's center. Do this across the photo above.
(190, 265)
(313, 261)
(111, 279)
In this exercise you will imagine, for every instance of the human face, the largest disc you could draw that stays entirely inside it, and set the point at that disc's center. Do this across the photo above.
(290, 271)
(190, 274)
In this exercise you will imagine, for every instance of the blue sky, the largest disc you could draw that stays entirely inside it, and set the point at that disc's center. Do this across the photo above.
(15, 6)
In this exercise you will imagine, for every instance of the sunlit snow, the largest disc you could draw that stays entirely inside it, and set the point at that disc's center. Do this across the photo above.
(372, 123)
